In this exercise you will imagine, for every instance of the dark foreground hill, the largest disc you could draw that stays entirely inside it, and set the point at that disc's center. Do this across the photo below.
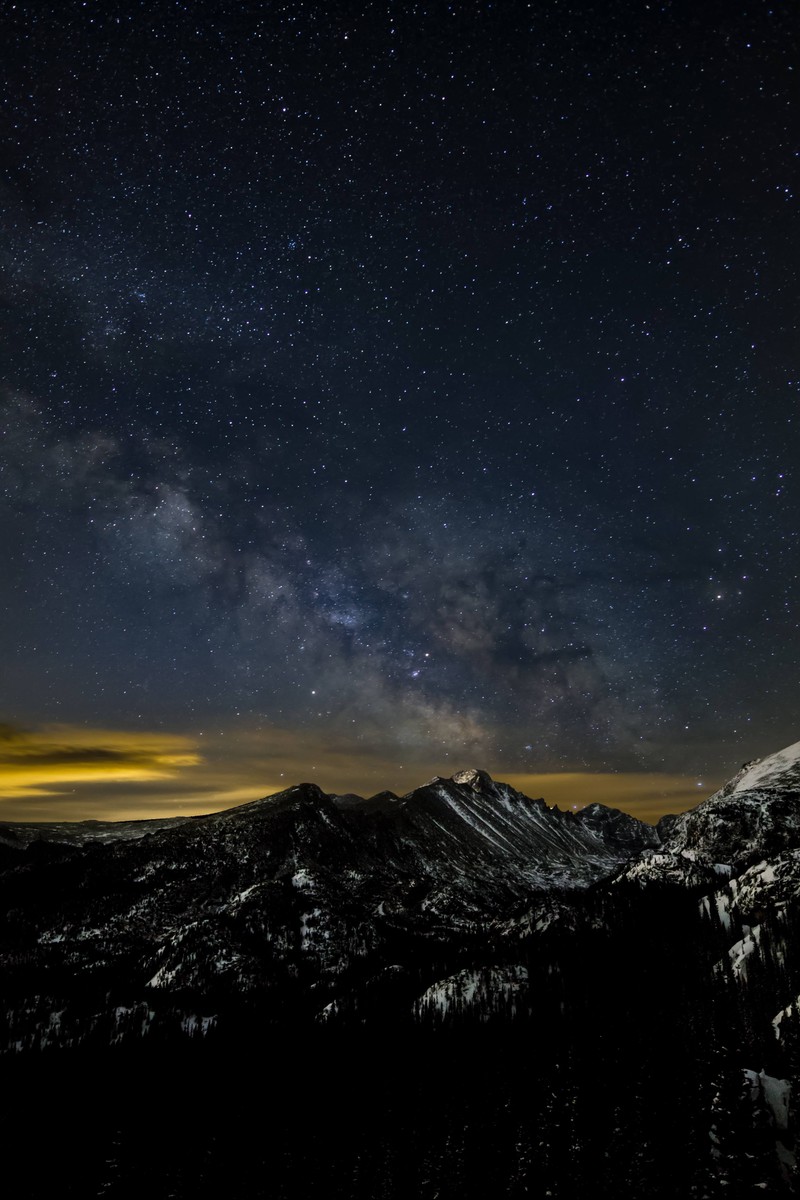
(458, 992)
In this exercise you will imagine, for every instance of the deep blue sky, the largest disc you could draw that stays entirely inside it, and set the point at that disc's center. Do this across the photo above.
(414, 382)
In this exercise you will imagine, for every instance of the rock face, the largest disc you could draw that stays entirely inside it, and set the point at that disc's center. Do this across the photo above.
(663, 962)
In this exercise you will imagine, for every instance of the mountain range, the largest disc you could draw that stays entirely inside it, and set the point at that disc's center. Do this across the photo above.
(639, 984)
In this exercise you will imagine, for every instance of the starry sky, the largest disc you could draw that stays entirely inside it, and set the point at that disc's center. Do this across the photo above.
(390, 388)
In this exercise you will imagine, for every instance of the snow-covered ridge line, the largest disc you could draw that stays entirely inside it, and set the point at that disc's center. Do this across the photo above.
(779, 770)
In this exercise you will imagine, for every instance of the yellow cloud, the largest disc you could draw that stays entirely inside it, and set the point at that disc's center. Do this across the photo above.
(51, 759)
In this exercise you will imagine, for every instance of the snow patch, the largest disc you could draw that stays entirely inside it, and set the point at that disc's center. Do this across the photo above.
(163, 977)
(196, 1026)
(741, 951)
(771, 771)
(238, 897)
(723, 910)
(483, 993)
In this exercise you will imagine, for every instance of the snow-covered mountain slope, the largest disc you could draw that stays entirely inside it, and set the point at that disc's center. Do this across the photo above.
(737, 857)
(778, 771)
(756, 815)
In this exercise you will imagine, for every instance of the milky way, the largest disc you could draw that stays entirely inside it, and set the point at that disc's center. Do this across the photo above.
(410, 385)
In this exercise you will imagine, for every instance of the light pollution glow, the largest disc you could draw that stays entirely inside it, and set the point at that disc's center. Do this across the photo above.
(69, 773)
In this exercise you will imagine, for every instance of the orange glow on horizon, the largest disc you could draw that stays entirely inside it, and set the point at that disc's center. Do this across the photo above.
(64, 772)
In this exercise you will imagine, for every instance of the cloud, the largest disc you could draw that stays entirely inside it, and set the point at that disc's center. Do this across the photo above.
(65, 756)
(11, 733)
(58, 758)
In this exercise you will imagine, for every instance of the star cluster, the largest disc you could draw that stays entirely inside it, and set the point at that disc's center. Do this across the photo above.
(415, 380)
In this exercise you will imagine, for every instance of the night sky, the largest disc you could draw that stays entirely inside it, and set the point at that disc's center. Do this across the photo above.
(393, 388)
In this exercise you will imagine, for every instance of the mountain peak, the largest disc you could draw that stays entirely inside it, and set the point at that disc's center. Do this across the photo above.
(471, 777)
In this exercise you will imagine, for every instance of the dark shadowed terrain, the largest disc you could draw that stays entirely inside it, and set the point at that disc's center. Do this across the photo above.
(459, 992)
